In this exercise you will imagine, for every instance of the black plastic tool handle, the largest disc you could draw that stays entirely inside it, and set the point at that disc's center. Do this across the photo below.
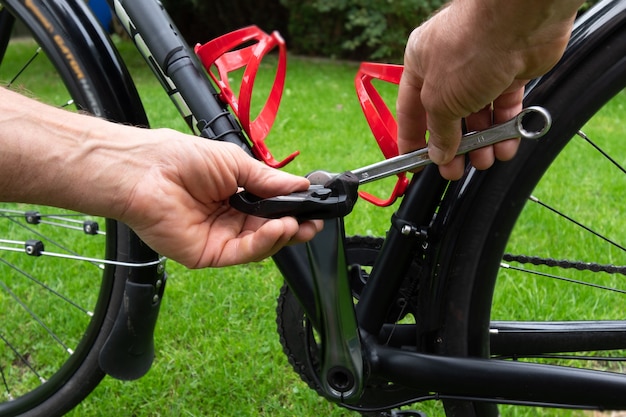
(334, 199)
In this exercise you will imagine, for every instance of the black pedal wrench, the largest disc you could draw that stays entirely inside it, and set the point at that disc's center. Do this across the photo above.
(335, 198)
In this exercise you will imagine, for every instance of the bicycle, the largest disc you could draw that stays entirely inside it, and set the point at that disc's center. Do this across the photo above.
(422, 327)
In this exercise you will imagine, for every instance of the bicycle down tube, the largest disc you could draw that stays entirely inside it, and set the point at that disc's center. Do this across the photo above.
(178, 70)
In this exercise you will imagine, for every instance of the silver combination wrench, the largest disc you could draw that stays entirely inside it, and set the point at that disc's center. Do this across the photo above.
(334, 195)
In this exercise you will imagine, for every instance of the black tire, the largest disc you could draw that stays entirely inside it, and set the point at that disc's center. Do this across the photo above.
(483, 215)
(82, 57)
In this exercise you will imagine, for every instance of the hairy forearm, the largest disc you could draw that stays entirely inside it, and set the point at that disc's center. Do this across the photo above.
(55, 157)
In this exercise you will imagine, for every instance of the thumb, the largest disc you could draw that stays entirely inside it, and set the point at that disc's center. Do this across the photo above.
(268, 182)
(444, 138)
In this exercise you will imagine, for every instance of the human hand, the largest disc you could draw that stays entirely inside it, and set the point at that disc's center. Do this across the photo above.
(171, 188)
(179, 205)
(472, 60)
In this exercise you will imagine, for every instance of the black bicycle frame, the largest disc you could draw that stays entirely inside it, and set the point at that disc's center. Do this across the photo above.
(317, 273)
(462, 378)
(179, 71)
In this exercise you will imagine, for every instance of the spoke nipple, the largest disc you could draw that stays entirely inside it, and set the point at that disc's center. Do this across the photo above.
(32, 217)
(90, 227)
(34, 247)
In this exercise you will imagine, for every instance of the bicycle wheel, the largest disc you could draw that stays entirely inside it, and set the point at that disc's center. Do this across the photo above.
(58, 308)
(558, 208)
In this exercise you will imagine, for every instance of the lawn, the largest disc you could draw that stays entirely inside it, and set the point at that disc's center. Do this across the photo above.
(218, 353)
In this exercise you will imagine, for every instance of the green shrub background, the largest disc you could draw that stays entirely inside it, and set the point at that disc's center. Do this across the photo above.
(345, 29)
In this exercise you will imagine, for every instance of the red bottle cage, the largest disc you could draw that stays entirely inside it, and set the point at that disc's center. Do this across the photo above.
(226, 54)
(223, 54)
(381, 121)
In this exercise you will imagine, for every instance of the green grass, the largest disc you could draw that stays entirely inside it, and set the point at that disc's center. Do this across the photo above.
(217, 351)
(591, 191)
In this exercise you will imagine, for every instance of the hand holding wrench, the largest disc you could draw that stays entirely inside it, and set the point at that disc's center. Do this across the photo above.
(334, 195)
(514, 128)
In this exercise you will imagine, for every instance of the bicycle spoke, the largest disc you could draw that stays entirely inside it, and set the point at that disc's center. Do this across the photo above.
(35, 317)
(44, 286)
(66, 221)
(24, 67)
(24, 361)
(28, 227)
(576, 222)
(34, 219)
(4, 382)
(20, 71)
(599, 149)
(101, 262)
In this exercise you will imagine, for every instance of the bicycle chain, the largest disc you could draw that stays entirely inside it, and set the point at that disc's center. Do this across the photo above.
(565, 264)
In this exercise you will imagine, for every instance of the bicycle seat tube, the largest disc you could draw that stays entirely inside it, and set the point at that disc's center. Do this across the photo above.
(407, 233)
